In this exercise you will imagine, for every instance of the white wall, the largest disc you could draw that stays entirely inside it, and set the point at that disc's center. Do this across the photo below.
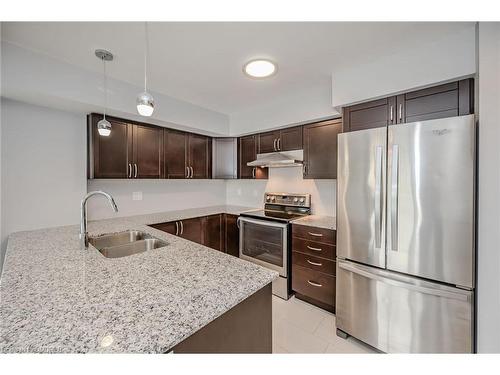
(447, 58)
(157, 196)
(298, 107)
(43, 167)
(251, 192)
(488, 283)
(39, 79)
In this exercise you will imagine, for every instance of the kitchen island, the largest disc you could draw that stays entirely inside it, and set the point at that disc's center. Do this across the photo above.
(58, 298)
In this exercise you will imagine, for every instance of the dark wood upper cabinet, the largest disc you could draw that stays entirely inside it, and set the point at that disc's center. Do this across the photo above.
(199, 156)
(320, 149)
(109, 157)
(268, 142)
(291, 139)
(147, 152)
(175, 153)
(247, 151)
(280, 140)
(213, 232)
(374, 114)
(232, 235)
(447, 100)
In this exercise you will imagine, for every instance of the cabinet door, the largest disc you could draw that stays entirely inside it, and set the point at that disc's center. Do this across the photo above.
(448, 100)
(171, 227)
(320, 149)
(110, 156)
(268, 142)
(291, 139)
(175, 153)
(147, 152)
(232, 235)
(212, 232)
(199, 156)
(374, 114)
(192, 229)
(247, 151)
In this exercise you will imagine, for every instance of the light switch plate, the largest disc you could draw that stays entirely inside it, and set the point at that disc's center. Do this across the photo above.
(137, 196)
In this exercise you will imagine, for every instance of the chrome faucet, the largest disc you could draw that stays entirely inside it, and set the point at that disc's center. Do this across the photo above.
(84, 238)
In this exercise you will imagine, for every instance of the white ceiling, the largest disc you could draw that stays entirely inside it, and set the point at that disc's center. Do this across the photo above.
(201, 62)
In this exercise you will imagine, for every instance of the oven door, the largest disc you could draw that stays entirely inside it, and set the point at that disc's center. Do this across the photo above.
(265, 243)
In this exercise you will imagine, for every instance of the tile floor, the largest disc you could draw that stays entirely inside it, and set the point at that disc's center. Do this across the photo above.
(299, 327)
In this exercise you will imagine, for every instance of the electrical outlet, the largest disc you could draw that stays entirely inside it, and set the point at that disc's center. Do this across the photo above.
(137, 196)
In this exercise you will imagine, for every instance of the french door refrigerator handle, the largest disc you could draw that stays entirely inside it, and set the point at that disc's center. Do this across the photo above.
(378, 197)
(402, 284)
(394, 197)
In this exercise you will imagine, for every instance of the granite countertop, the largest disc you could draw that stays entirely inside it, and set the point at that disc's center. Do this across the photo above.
(58, 298)
(319, 221)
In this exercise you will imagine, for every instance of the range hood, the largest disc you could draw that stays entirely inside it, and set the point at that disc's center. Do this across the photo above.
(279, 159)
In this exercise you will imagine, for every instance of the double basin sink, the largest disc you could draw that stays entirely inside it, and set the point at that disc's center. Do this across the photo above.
(126, 243)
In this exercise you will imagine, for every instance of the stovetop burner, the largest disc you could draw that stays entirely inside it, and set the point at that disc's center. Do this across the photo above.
(283, 207)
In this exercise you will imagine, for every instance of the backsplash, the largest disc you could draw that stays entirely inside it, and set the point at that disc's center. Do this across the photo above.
(288, 180)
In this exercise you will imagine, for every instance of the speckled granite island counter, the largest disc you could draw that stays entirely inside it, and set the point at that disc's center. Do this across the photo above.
(58, 298)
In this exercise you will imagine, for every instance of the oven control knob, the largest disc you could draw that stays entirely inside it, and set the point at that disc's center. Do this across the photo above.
(273, 198)
(268, 198)
(295, 200)
(302, 200)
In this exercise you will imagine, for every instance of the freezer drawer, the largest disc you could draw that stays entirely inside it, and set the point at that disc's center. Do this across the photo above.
(401, 314)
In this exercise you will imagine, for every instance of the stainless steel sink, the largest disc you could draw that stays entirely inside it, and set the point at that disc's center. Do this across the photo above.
(122, 244)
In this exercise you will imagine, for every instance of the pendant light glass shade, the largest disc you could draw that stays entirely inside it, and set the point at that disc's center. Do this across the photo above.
(104, 127)
(145, 104)
(145, 101)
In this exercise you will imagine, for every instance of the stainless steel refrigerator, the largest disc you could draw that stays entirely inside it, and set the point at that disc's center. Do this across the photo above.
(405, 236)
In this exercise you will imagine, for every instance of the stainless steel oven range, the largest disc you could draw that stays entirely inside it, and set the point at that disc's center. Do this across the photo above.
(265, 235)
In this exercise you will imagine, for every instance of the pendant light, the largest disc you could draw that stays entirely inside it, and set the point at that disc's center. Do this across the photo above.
(145, 101)
(104, 126)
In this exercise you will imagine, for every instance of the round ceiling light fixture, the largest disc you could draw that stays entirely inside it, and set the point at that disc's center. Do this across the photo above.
(260, 68)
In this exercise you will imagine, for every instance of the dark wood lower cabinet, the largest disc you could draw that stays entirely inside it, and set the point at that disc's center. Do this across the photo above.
(232, 235)
(314, 265)
(212, 232)
(246, 328)
(219, 232)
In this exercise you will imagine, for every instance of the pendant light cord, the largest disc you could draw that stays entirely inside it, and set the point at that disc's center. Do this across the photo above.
(146, 53)
(105, 87)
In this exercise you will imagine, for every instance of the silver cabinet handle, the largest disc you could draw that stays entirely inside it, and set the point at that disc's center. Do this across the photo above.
(392, 114)
(253, 172)
(279, 144)
(304, 169)
(314, 263)
(274, 144)
(314, 284)
(394, 198)
(176, 228)
(192, 172)
(238, 222)
(315, 234)
(129, 170)
(135, 170)
(187, 172)
(182, 227)
(378, 197)
(314, 248)
(401, 112)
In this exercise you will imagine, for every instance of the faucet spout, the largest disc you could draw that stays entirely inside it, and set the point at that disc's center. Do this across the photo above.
(84, 238)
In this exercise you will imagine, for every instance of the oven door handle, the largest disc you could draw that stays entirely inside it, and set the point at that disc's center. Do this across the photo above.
(267, 223)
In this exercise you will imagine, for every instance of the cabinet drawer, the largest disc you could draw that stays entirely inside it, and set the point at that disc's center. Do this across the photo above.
(314, 233)
(314, 248)
(313, 284)
(314, 263)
